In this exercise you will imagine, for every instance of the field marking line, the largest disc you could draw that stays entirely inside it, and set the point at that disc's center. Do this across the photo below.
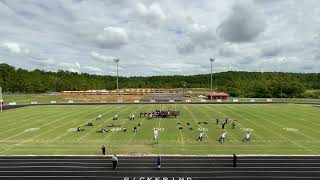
(194, 119)
(21, 142)
(25, 120)
(297, 119)
(101, 125)
(134, 134)
(141, 123)
(299, 145)
(180, 136)
(37, 121)
(236, 111)
(298, 132)
(312, 114)
(68, 122)
(248, 120)
(123, 122)
(219, 112)
(223, 129)
(284, 118)
(172, 141)
(18, 115)
(46, 124)
(302, 119)
(74, 120)
(239, 124)
(261, 126)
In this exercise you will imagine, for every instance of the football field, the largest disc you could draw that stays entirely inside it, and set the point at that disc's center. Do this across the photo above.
(277, 129)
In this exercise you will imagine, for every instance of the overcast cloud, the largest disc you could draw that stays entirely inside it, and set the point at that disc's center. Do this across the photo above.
(161, 37)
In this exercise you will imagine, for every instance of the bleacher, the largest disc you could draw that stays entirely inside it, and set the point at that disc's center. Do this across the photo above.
(163, 97)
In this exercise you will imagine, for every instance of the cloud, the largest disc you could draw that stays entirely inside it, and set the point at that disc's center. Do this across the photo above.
(228, 50)
(112, 37)
(203, 36)
(15, 48)
(92, 69)
(43, 62)
(185, 48)
(198, 36)
(143, 34)
(270, 51)
(152, 15)
(72, 67)
(99, 57)
(244, 24)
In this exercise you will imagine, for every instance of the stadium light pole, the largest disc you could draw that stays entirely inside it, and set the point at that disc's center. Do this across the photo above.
(1, 100)
(184, 86)
(211, 60)
(117, 62)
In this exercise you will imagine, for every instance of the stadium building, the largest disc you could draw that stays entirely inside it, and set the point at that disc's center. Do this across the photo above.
(218, 95)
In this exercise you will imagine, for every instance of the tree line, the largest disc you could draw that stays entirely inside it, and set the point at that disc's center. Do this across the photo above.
(238, 84)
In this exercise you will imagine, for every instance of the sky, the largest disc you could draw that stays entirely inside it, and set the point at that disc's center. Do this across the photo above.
(167, 37)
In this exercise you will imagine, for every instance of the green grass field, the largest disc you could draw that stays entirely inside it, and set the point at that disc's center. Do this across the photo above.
(49, 130)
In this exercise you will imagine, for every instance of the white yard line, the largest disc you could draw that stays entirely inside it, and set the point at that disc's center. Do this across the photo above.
(252, 122)
(141, 123)
(282, 126)
(86, 141)
(181, 137)
(299, 145)
(123, 123)
(194, 119)
(299, 132)
(45, 124)
(25, 120)
(301, 124)
(34, 122)
(18, 115)
(262, 126)
(223, 129)
(95, 128)
(65, 133)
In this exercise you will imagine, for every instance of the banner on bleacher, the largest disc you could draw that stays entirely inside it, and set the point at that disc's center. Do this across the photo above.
(152, 100)
(203, 100)
(252, 100)
(53, 102)
(136, 101)
(34, 102)
(70, 101)
(12, 103)
(235, 100)
(171, 100)
(269, 100)
(219, 100)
